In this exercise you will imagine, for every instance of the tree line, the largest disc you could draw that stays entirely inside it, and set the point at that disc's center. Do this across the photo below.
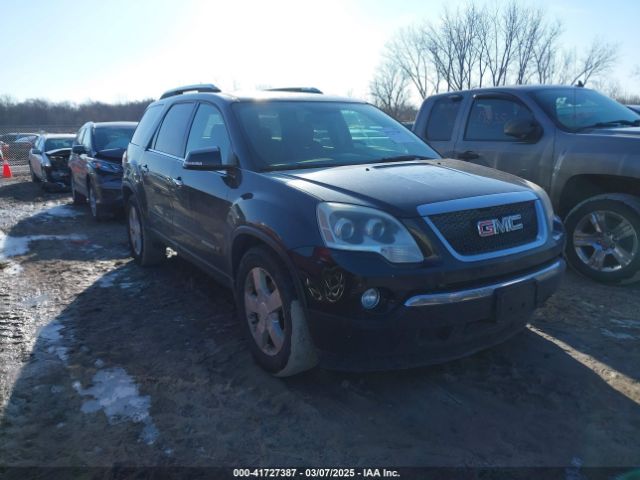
(42, 112)
(478, 46)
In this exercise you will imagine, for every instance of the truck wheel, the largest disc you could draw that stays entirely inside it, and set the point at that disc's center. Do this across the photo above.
(272, 316)
(603, 237)
(78, 198)
(145, 249)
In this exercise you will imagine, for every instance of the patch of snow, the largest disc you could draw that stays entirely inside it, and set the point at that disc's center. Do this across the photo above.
(12, 268)
(51, 335)
(616, 335)
(114, 391)
(62, 211)
(14, 246)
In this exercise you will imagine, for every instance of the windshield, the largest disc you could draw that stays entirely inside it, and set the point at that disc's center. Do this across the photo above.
(107, 138)
(291, 135)
(57, 143)
(577, 109)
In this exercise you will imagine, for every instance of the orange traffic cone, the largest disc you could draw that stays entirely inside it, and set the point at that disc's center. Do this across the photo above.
(6, 169)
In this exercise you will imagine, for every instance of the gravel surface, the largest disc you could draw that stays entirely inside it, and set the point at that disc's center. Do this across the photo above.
(105, 363)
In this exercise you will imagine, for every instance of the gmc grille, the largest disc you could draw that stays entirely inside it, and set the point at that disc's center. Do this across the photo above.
(460, 228)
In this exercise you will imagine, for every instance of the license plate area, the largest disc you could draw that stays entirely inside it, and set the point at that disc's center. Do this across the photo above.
(514, 301)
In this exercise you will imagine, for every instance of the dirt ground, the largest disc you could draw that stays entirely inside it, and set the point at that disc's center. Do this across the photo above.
(105, 363)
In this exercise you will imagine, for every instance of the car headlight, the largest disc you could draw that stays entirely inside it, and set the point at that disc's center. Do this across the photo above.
(106, 166)
(350, 227)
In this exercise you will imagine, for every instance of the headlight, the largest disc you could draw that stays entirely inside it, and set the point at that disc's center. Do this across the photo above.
(45, 161)
(106, 166)
(350, 227)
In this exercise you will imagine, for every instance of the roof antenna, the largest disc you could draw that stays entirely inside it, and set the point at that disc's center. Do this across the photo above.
(580, 84)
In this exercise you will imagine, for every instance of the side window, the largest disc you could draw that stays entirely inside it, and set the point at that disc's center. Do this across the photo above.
(488, 116)
(208, 130)
(442, 118)
(171, 136)
(86, 138)
(78, 139)
(146, 125)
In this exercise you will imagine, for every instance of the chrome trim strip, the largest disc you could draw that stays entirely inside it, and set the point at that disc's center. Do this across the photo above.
(485, 201)
(446, 298)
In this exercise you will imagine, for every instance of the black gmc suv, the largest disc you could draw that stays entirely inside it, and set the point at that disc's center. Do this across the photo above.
(345, 238)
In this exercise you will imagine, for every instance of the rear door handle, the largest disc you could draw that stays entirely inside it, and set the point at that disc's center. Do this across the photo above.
(177, 181)
(144, 168)
(468, 155)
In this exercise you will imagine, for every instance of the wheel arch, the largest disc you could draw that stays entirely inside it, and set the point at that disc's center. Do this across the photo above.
(581, 187)
(245, 238)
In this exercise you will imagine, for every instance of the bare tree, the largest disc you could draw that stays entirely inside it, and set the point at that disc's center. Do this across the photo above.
(528, 35)
(597, 60)
(545, 52)
(389, 89)
(408, 51)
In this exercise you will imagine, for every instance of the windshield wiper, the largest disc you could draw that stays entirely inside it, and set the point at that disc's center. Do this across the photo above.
(612, 123)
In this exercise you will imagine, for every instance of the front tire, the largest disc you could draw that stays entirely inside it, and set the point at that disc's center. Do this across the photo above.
(145, 250)
(34, 177)
(603, 237)
(78, 198)
(272, 316)
(98, 212)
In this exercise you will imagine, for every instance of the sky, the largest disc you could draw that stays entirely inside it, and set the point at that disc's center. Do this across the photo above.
(121, 50)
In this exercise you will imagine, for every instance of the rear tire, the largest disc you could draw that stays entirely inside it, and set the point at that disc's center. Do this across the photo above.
(78, 198)
(603, 237)
(145, 249)
(272, 316)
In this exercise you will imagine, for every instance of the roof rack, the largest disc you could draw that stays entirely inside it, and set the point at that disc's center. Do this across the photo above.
(203, 87)
(295, 90)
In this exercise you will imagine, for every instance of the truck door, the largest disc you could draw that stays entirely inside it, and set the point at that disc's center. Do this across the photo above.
(440, 123)
(482, 138)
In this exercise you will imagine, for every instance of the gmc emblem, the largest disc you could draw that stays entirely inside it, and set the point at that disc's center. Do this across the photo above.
(510, 223)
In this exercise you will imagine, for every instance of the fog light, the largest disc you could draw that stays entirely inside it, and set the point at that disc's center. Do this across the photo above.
(370, 298)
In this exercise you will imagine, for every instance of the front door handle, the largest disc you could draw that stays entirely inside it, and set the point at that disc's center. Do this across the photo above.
(177, 181)
(468, 155)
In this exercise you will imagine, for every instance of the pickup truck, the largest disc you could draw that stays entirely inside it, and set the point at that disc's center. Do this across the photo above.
(582, 147)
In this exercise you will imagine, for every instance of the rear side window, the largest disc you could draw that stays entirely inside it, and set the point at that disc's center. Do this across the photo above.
(208, 130)
(489, 115)
(172, 134)
(442, 119)
(146, 125)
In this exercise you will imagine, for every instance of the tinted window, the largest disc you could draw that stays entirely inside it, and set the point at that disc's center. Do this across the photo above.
(316, 134)
(107, 138)
(171, 136)
(86, 138)
(146, 125)
(577, 108)
(489, 115)
(208, 130)
(443, 117)
(56, 143)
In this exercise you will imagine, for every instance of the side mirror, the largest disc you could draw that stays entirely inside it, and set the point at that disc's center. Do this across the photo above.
(36, 151)
(79, 149)
(204, 159)
(523, 130)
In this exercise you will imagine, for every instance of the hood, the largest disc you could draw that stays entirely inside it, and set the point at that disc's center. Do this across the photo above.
(614, 131)
(111, 154)
(399, 188)
(59, 151)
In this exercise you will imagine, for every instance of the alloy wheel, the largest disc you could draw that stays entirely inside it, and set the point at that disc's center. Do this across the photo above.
(264, 311)
(93, 203)
(605, 241)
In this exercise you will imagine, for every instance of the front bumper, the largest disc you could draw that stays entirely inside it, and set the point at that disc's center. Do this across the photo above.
(434, 327)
